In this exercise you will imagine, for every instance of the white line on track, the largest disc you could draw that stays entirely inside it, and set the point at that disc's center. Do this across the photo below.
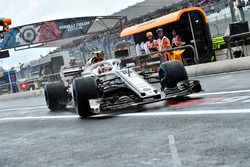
(199, 112)
(24, 108)
(145, 114)
(193, 95)
(175, 156)
(39, 118)
(220, 93)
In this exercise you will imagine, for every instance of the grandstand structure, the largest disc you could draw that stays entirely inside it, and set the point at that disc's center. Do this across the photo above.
(146, 9)
(151, 9)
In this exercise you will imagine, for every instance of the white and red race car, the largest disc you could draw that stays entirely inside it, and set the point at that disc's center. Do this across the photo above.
(105, 86)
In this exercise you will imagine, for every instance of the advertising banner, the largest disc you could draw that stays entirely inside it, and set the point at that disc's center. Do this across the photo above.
(46, 32)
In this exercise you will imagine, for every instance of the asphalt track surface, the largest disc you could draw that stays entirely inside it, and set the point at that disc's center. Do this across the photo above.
(211, 128)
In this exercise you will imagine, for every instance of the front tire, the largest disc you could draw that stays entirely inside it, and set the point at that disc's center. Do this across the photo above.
(171, 73)
(54, 92)
(84, 89)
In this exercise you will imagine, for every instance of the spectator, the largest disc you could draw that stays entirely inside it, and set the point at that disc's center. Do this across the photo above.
(142, 45)
(72, 61)
(138, 49)
(164, 43)
(243, 3)
(152, 44)
(177, 42)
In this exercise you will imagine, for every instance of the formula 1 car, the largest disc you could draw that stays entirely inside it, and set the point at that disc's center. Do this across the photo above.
(105, 86)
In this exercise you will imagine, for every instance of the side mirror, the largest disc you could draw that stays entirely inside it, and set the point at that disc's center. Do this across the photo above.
(130, 65)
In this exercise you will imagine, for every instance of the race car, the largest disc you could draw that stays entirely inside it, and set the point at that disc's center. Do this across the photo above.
(105, 86)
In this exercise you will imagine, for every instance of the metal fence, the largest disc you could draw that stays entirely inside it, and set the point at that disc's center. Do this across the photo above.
(151, 62)
(51, 78)
(219, 21)
(9, 88)
(14, 87)
(218, 24)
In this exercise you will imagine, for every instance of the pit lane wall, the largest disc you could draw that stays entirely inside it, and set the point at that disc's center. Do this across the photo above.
(224, 66)
(32, 93)
(218, 67)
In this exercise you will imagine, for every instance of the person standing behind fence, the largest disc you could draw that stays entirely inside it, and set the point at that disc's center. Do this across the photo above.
(152, 45)
(164, 43)
(177, 42)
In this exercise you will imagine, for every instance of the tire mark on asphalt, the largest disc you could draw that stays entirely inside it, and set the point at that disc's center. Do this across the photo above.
(174, 152)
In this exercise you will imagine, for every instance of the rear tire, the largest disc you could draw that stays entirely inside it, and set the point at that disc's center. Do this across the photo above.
(54, 92)
(171, 73)
(84, 89)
